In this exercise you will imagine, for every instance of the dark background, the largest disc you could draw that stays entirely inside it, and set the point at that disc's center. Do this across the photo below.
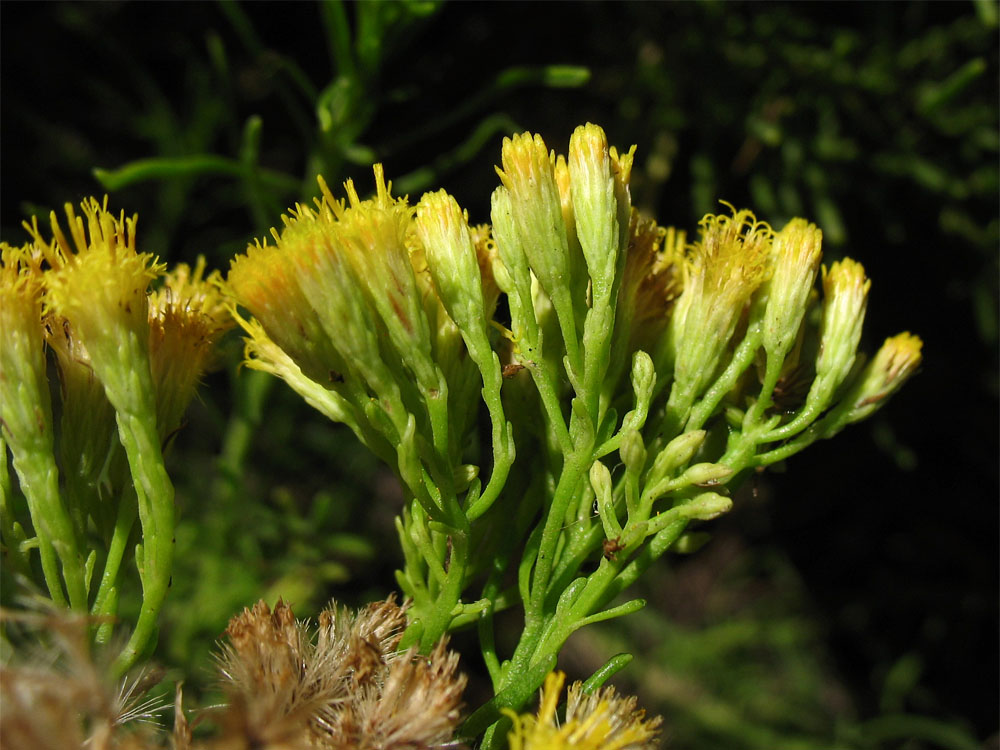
(877, 120)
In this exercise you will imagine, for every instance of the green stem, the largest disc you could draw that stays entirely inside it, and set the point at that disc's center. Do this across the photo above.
(36, 468)
(155, 496)
(545, 385)
(159, 168)
(742, 359)
(11, 540)
(503, 434)
(127, 507)
(567, 488)
(439, 620)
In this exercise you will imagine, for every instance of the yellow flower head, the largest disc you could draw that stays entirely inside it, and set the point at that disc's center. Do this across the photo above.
(24, 394)
(726, 266)
(729, 262)
(265, 281)
(845, 298)
(795, 257)
(600, 721)
(653, 275)
(601, 202)
(187, 315)
(445, 238)
(372, 236)
(100, 291)
(529, 178)
(101, 288)
(20, 290)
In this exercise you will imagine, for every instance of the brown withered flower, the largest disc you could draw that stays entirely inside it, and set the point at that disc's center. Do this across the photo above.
(346, 687)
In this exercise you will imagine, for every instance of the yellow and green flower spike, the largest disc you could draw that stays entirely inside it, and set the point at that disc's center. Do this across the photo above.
(26, 416)
(99, 284)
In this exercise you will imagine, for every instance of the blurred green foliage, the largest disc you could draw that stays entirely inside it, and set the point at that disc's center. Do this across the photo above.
(879, 121)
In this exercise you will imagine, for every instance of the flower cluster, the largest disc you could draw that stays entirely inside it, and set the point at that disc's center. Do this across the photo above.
(596, 339)
(128, 362)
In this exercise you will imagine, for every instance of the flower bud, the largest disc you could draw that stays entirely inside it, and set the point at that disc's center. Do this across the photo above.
(845, 290)
(704, 507)
(600, 480)
(892, 366)
(677, 453)
(643, 377)
(706, 474)
(595, 206)
(528, 176)
(707, 506)
(443, 230)
(510, 266)
(796, 254)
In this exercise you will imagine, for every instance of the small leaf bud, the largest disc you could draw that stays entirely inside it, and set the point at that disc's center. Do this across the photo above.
(707, 506)
(677, 453)
(706, 474)
(643, 377)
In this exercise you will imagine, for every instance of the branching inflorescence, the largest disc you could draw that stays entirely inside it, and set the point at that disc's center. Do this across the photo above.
(627, 379)
(640, 377)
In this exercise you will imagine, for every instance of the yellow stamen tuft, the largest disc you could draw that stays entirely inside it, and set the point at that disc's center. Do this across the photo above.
(600, 721)
(24, 406)
(730, 261)
(102, 286)
(725, 267)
